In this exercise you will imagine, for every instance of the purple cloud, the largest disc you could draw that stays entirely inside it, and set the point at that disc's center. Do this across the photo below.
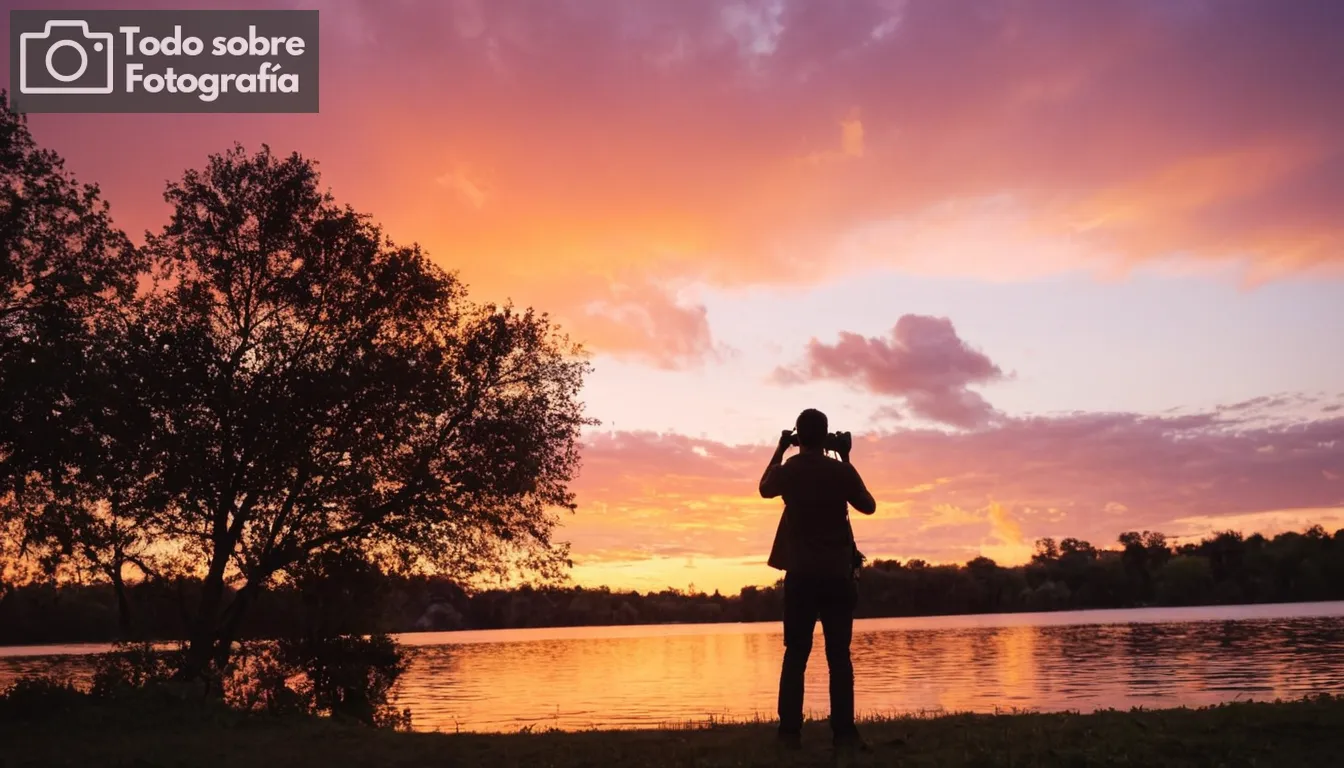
(922, 361)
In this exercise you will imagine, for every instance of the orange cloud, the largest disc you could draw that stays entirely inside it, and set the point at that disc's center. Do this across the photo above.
(661, 139)
(472, 191)
(851, 142)
(1188, 202)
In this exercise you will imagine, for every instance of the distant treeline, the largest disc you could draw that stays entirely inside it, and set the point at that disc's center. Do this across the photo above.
(1143, 570)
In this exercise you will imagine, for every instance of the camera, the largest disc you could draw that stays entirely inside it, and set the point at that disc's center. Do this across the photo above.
(839, 442)
(65, 57)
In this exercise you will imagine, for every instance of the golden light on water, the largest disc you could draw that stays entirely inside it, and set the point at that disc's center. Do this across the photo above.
(582, 677)
(650, 676)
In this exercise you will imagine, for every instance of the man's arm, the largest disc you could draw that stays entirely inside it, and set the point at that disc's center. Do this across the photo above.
(772, 481)
(859, 497)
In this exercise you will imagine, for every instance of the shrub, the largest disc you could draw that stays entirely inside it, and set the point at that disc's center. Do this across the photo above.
(132, 667)
(33, 698)
(260, 679)
(346, 677)
(351, 677)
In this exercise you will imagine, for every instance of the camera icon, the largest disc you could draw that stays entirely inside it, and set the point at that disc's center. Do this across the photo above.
(85, 65)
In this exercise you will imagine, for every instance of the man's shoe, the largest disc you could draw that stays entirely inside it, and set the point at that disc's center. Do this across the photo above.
(790, 740)
(850, 744)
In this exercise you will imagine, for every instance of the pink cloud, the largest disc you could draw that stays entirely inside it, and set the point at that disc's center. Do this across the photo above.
(642, 320)
(950, 496)
(923, 361)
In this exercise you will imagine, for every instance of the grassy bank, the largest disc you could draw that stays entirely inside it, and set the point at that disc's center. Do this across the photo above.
(1306, 733)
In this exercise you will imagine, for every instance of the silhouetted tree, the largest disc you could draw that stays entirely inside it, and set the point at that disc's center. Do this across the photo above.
(1185, 580)
(1046, 550)
(286, 382)
(340, 592)
(68, 280)
(317, 386)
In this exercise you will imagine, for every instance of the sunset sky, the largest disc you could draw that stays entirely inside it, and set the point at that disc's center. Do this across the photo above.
(1064, 268)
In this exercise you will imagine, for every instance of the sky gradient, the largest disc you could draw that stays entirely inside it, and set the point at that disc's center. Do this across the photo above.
(1065, 268)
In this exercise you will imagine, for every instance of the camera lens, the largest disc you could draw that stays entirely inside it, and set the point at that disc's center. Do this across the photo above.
(79, 51)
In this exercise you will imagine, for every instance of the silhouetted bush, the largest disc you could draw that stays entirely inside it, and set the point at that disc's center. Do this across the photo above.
(132, 667)
(34, 698)
(344, 677)
(261, 678)
(348, 677)
(351, 677)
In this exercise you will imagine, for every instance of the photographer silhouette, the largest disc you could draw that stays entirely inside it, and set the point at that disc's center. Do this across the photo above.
(814, 546)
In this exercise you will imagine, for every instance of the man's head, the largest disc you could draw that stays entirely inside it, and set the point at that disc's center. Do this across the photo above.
(812, 428)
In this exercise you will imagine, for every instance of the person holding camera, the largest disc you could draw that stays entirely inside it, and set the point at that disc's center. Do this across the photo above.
(814, 546)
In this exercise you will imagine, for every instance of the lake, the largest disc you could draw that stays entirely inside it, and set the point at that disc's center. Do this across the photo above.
(649, 676)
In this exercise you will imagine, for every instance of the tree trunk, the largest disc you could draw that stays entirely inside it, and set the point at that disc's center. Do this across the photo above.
(123, 604)
(202, 649)
(201, 646)
(233, 620)
(212, 639)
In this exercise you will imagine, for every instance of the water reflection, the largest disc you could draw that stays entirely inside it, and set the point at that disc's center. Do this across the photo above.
(616, 677)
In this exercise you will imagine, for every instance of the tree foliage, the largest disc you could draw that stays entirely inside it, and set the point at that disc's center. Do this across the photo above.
(267, 379)
(316, 385)
(68, 280)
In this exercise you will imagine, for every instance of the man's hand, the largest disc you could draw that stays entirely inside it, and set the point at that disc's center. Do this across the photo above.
(770, 484)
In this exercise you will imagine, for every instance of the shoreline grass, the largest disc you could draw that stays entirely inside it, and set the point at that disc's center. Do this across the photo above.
(1308, 732)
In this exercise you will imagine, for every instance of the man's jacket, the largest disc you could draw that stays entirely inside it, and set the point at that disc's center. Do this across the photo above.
(814, 535)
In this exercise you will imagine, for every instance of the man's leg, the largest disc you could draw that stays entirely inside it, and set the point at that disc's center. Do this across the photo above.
(837, 625)
(800, 618)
